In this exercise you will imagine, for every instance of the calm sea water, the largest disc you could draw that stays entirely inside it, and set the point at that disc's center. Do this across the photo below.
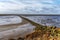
(5, 20)
(46, 20)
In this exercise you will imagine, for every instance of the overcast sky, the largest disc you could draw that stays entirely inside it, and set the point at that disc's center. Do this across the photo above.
(29, 6)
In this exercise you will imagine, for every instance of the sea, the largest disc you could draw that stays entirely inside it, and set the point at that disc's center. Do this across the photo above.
(43, 20)
(46, 20)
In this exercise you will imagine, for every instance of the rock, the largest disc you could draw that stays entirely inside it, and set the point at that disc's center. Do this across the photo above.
(5, 20)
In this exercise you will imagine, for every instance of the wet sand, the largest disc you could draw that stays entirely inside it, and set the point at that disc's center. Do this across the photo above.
(12, 26)
(15, 31)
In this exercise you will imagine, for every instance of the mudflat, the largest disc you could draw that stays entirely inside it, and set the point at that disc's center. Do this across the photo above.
(12, 26)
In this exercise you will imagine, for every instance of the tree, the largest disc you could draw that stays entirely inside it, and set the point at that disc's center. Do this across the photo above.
(54, 32)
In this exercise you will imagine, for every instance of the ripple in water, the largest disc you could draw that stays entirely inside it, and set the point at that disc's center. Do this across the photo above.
(46, 20)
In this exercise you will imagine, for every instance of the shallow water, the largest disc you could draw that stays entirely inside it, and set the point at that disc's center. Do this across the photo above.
(5, 20)
(11, 22)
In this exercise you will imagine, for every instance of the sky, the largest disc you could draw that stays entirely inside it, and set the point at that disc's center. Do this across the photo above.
(29, 6)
